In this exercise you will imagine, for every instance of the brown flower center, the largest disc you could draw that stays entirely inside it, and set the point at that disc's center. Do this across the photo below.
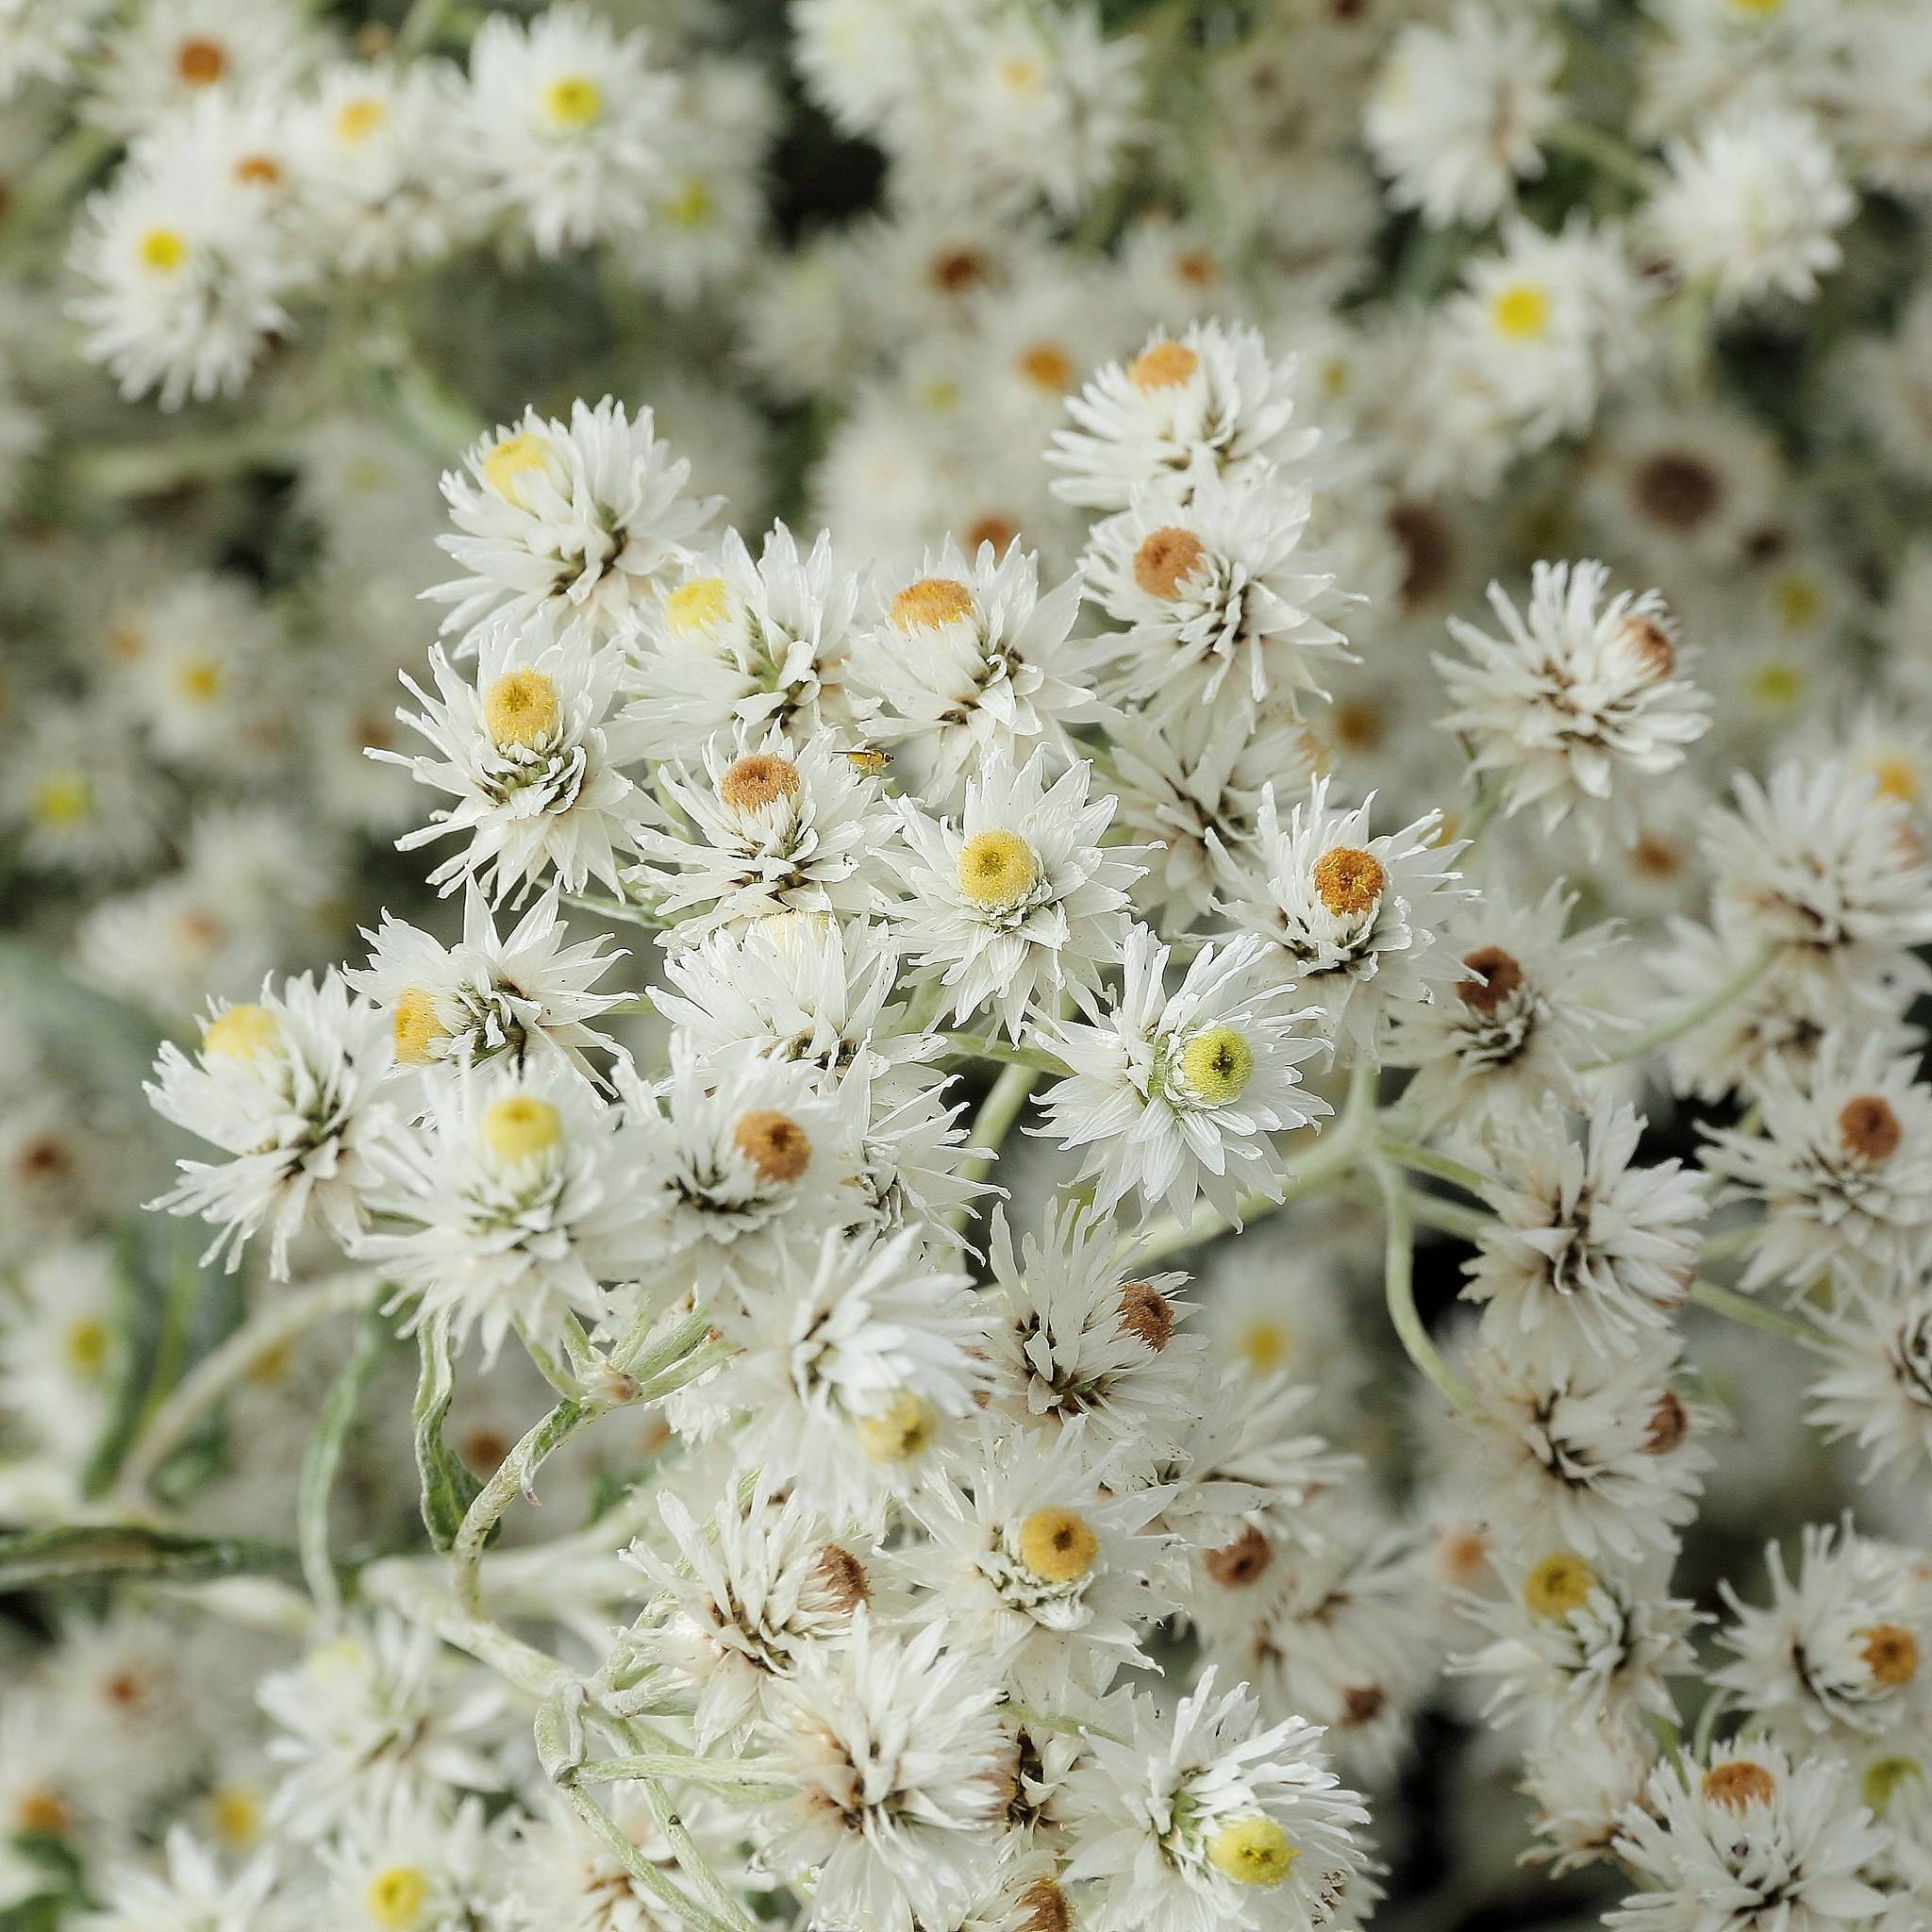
(774, 1144)
(1869, 1128)
(843, 1576)
(1650, 643)
(1738, 1782)
(1670, 1422)
(1890, 1653)
(1493, 977)
(1162, 365)
(1349, 881)
(756, 780)
(201, 62)
(1166, 556)
(1238, 1563)
(1362, 1705)
(1677, 490)
(1146, 1313)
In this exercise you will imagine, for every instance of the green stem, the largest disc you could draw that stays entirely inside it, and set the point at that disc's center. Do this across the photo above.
(1398, 1284)
(1734, 1306)
(717, 1774)
(512, 1478)
(1472, 1180)
(694, 1863)
(1663, 1034)
(323, 1457)
(1604, 151)
(1035, 1719)
(1488, 801)
(970, 1046)
(615, 909)
(400, 1583)
(232, 1364)
(658, 1884)
(419, 28)
(997, 1112)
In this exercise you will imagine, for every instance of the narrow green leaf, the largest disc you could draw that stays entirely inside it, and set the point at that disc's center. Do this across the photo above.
(76, 1553)
(448, 1487)
(325, 1454)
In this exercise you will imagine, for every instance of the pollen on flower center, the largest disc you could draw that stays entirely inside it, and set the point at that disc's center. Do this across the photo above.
(236, 1815)
(842, 1576)
(1890, 1653)
(757, 779)
(1520, 311)
(520, 1126)
(1047, 366)
(1558, 1585)
(1046, 1907)
(774, 1144)
(1146, 1314)
(44, 1814)
(1349, 881)
(1883, 1777)
(930, 602)
(699, 606)
(1057, 1545)
(62, 799)
(901, 1429)
(357, 120)
(414, 1026)
(1236, 1565)
(241, 1033)
(1738, 1782)
(1650, 643)
(997, 869)
(396, 1895)
(521, 707)
(1869, 1128)
(85, 1346)
(1165, 557)
(1265, 1344)
(200, 61)
(1898, 777)
(1251, 1851)
(1162, 365)
(574, 100)
(1217, 1065)
(163, 250)
(1495, 974)
(507, 459)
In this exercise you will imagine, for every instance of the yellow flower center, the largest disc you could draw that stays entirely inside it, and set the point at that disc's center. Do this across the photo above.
(62, 798)
(519, 1126)
(201, 62)
(1558, 1585)
(241, 1033)
(357, 120)
(236, 1815)
(521, 707)
(757, 779)
(1047, 366)
(1057, 1545)
(414, 1025)
(902, 1428)
(1265, 1345)
(396, 1895)
(1349, 881)
(1216, 1064)
(1165, 557)
(1797, 601)
(1890, 1653)
(1897, 776)
(1738, 1782)
(1519, 311)
(85, 1346)
(997, 869)
(1251, 1851)
(691, 206)
(573, 100)
(930, 602)
(163, 250)
(509, 457)
(1162, 365)
(1778, 686)
(699, 606)
(1883, 1777)
(776, 1146)
(198, 679)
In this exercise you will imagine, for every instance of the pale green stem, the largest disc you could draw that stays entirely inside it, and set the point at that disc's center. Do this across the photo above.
(970, 1045)
(1448, 1216)
(693, 1862)
(512, 1478)
(1734, 1306)
(322, 1458)
(1398, 1284)
(1604, 151)
(231, 1364)
(419, 28)
(658, 1884)
(560, 1379)
(715, 1773)
(1488, 801)
(1441, 1167)
(400, 1583)
(614, 909)
(997, 1112)
(1035, 1719)
(1663, 1035)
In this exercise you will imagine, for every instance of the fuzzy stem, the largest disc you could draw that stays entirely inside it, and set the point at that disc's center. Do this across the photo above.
(1398, 1284)
(718, 1773)
(969, 1046)
(991, 1125)
(514, 1477)
(1604, 152)
(1663, 1034)
(1472, 1180)
(400, 1583)
(1734, 1306)
(1048, 1721)
(654, 1881)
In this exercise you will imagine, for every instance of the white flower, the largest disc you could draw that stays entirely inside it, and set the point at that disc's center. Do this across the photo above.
(578, 519)
(856, 1364)
(1517, 1029)
(1842, 1167)
(768, 643)
(1211, 582)
(893, 1748)
(522, 994)
(1820, 861)
(528, 1194)
(170, 55)
(65, 1350)
(378, 1711)
(1837, 1653)
(563, 127)
(1355, 919)
(1018, 902)
(532, 756)
(289, 1089)
(1045, 1567)
(1877, 1384)
(1457, 113)
(974, 664)
(1579, 699)
(1174, 1095)
(1572, 1644)
(408, 1862)
(751, 1593)
(191, 1894)
(1582, 1781)
(1743, 1839)
(1753, 205)
(1588, 1257)
(1210, 1821)
(1210, 400)
(43, 40)
(773, 826)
